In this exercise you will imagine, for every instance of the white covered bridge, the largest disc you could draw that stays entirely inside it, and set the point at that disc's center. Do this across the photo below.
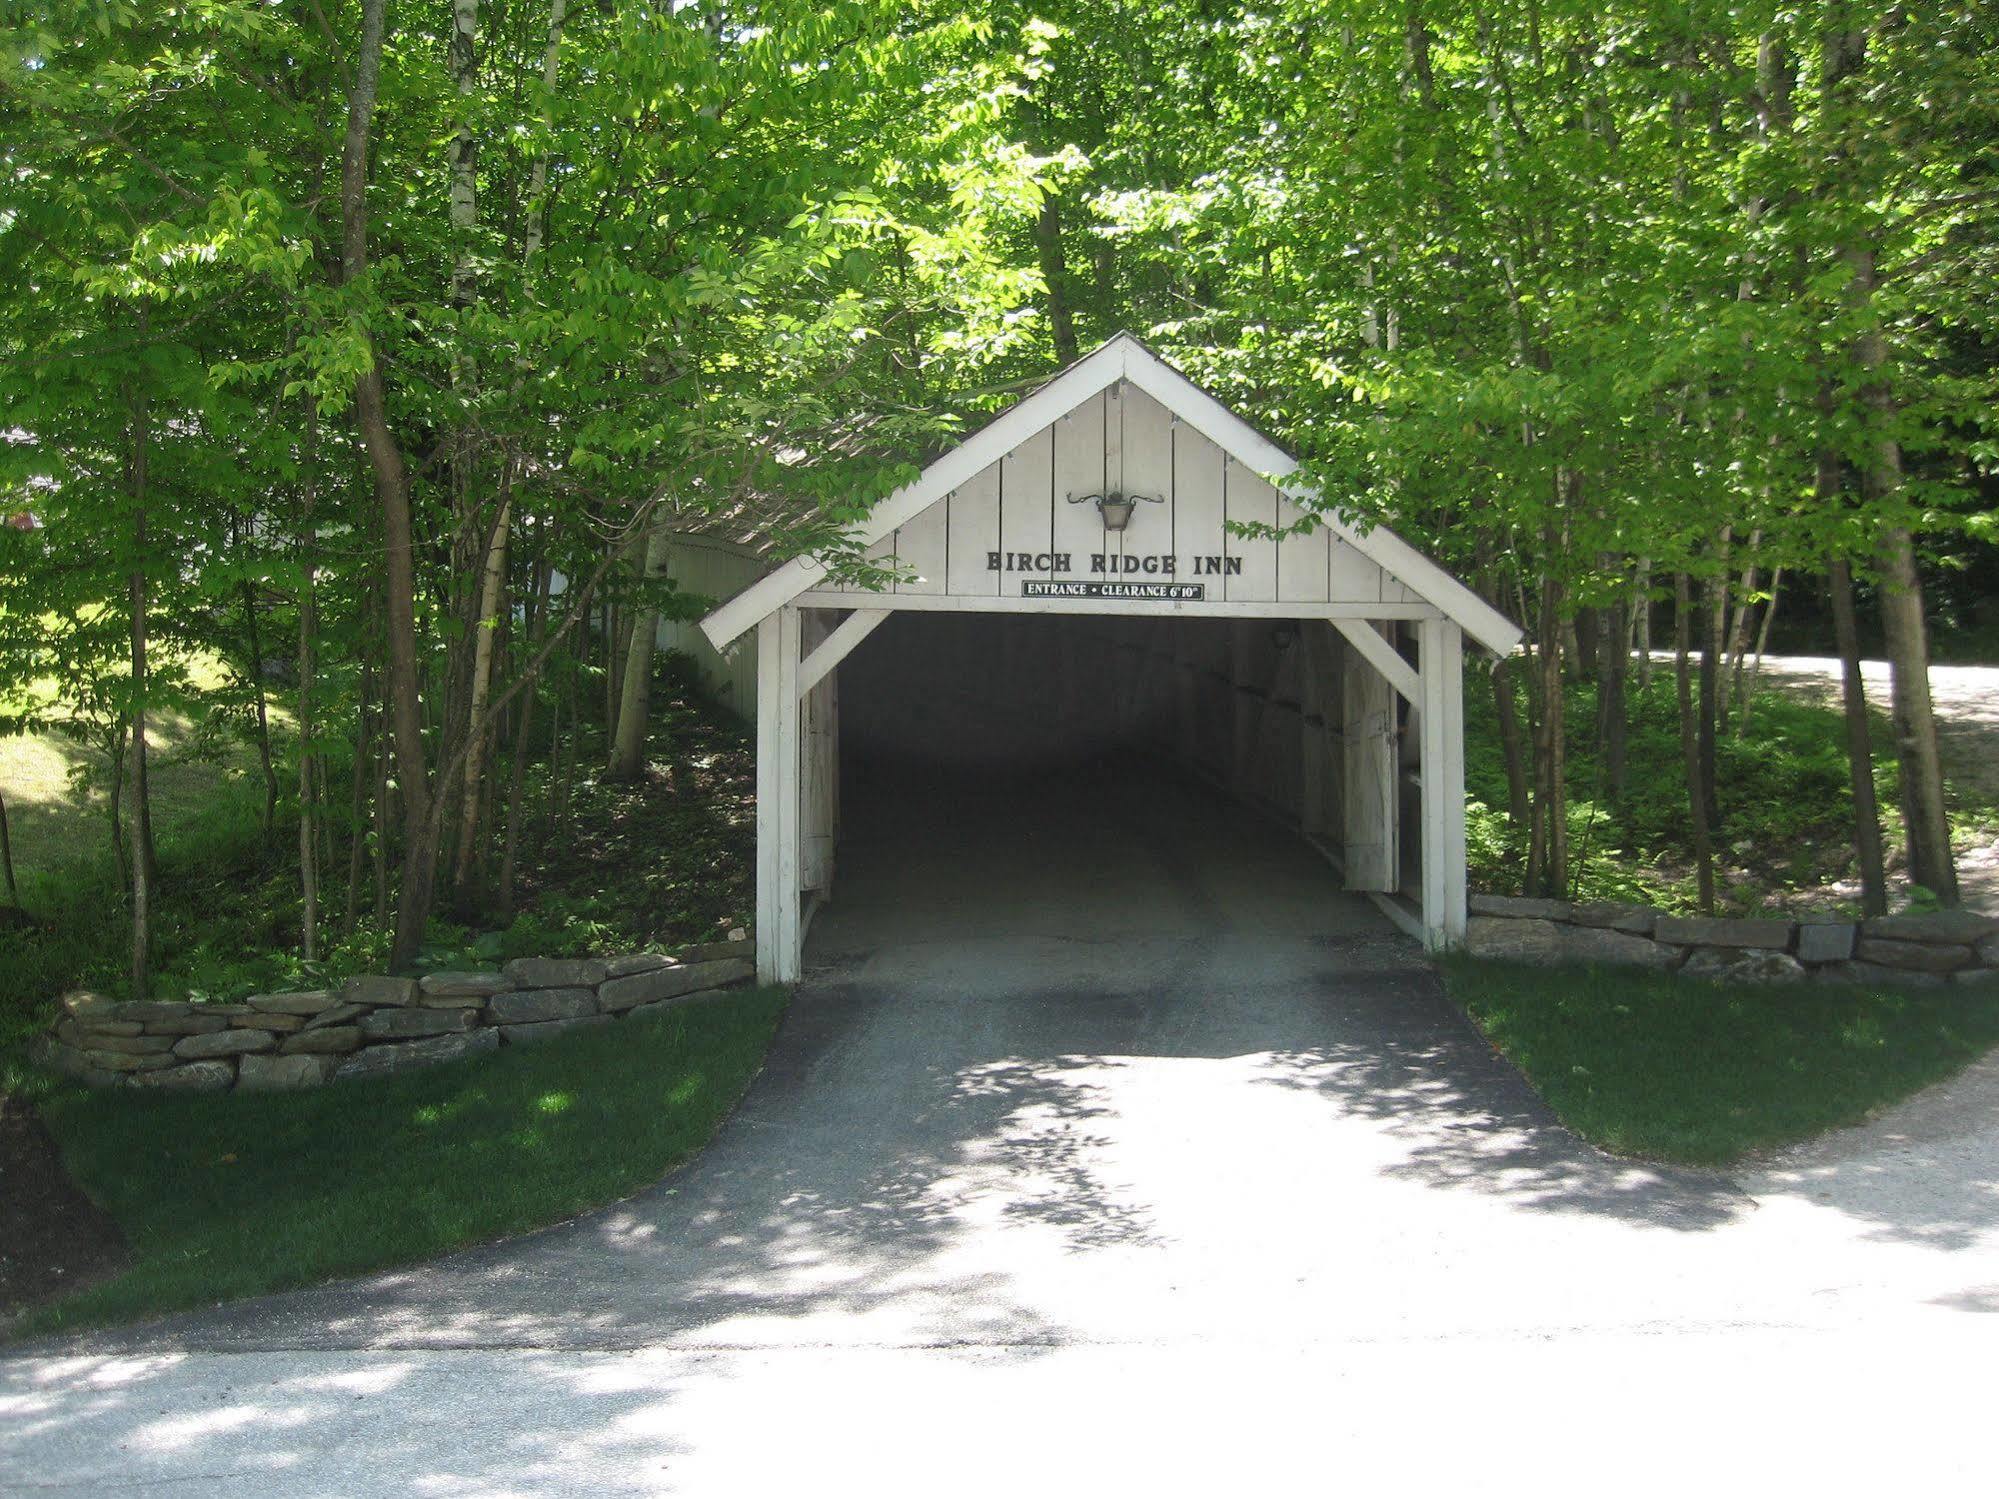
(1117, 563)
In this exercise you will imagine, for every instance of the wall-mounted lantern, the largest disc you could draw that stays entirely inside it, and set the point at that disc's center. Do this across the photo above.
(1115, 508)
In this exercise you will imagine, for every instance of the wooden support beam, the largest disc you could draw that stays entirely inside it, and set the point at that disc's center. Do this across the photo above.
(1441, 732)
(1370, 757)
(778, 830)
(944, 603)
(1382, 656)
(831, 651)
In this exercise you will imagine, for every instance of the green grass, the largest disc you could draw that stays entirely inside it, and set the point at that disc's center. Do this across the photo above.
(604, 868)
(1675, 1069)
(225, 924)
(232, 1195)
(54, 782)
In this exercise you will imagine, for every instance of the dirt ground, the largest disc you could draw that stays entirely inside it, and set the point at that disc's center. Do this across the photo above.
(53, 1239)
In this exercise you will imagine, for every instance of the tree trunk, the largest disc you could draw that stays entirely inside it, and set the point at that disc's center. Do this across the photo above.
(492, 590)
(1550, 768)
(142, 859)
(1585, 642)
(1859, 749)
(1690, 752)
(308, 862)
(1643, 623)
(613, 670)
(1510, 744)
(1762, 646)
(1613, 713)
(537, 614)
(382, 809)
(357, 813)
(1738, 635)
(1924, 814)
(403, 686)
(561, 695)
(628, 747)
(464, 146)
(537, 225)
(1055, 272)
(7, 856)
(256, 643)
(118, 841)
(1931, 864)
(1715, 623)
(1763, 628)
(516, 780)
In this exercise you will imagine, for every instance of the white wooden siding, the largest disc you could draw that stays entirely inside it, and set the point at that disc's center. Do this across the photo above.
(1249, 498)
(972, 530)
(717, 571)
(1121, 440)
(1304, 564)
(1082, 454)
(1027, 517)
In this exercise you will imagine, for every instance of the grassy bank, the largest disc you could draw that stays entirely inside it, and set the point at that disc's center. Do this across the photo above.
(235, 1195)
(1675, 1069)
(604, 867)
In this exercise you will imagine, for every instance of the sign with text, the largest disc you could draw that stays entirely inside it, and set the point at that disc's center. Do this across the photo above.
(1168, 592)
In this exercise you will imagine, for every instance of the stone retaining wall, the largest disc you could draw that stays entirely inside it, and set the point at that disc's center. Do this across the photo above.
(372, 1023)
(1925, 948)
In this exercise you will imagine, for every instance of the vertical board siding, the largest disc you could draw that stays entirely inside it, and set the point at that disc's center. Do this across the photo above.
(1122, 439)
(1249, 497)
(1197, 507)
(884, 550)
(1370, 781)
(1114, 479)
(973, 530)
(1145, 452)
(698, 566)
(1304, 560)
(920, 547)
(1027, 523)
(1081, 458)
(1355, 578)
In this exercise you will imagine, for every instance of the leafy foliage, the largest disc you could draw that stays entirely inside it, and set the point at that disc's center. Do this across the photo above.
(1581, 298)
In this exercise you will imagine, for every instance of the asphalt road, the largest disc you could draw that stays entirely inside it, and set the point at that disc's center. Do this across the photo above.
(1203, 1186)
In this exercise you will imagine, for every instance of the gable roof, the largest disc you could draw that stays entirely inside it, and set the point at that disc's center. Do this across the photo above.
(1121, 358)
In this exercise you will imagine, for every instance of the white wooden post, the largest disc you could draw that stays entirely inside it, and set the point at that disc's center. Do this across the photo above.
(778, 822)
(1371, 806)
(818, 757)
(1440, 659)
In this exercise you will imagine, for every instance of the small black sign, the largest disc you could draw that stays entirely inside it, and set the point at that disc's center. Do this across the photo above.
(1164, 592)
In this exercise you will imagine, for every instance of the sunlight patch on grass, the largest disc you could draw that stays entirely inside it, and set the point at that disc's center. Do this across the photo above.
(238, 1194)
(1675, 1069)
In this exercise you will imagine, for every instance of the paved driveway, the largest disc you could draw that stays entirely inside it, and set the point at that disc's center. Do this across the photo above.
(1205, 1183)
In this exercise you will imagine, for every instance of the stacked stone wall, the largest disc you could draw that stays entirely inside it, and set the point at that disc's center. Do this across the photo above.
(1914, 949)
(372, 1023)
